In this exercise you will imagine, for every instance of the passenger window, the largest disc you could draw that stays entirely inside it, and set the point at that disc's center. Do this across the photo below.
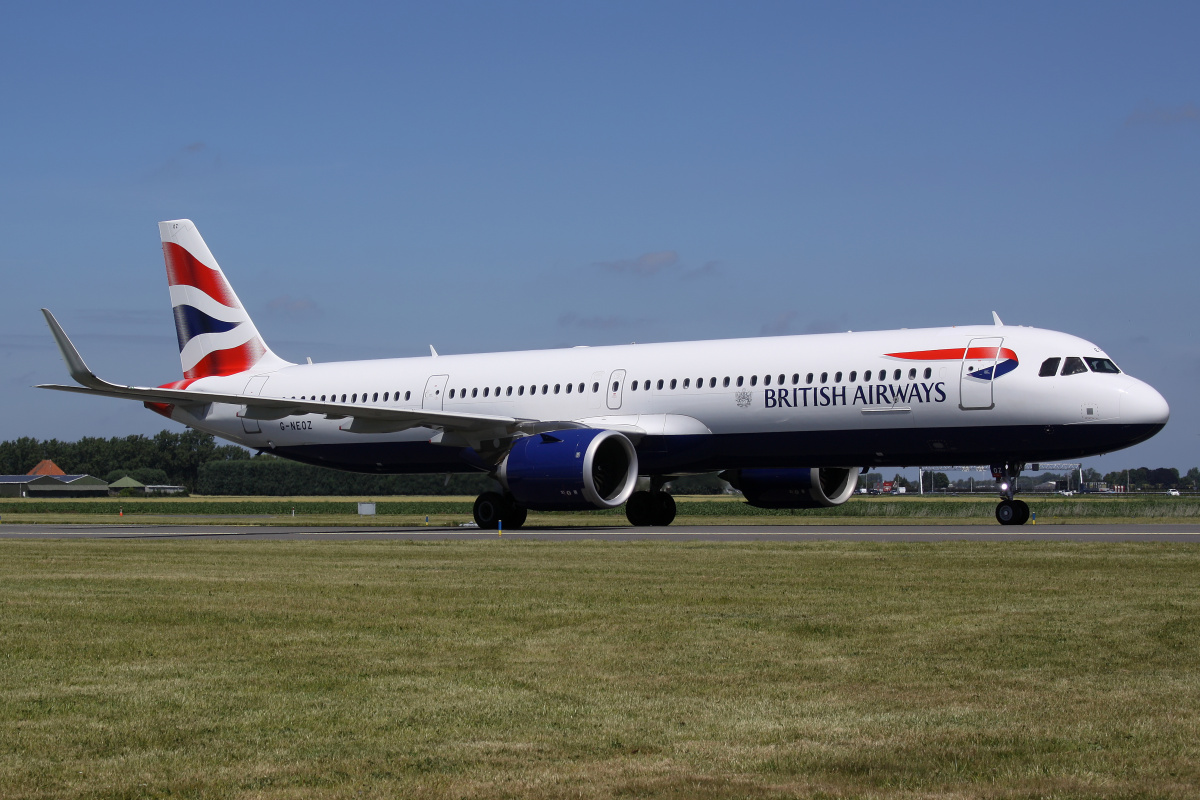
(867, 375)
(1102, 365)
(808, 378)
(673, 384)
(896, 375)
(740, 380)
(853, 376)
(781, 380)
(633, 386)
(712, 383)
(660, 384)
(407, 395)
(557, 388)
(912, 374)
(485, 392)
(354, 398)
(795, 378)
(928, 373)
(569, 387)
(824, 377)
(1073, 366)
(1049, 367)
(687, 383)
(385, 397)
(520, 390)
(754, 380)
(837, 378)
(646, 386)
(508, 392)
(615, 386)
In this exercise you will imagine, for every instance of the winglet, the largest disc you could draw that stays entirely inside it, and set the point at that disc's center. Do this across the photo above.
(996, 319)
(75, 365)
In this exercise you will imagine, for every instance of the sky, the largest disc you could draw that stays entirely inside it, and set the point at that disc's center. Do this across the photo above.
(376, 178)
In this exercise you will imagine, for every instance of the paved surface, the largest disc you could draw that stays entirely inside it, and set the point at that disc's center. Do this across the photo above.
(713, 533)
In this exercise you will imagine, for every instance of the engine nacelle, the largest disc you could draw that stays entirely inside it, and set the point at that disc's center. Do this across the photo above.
(794, 488)
(570, 470)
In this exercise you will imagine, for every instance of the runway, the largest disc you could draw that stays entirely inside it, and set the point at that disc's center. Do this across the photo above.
(714, 533)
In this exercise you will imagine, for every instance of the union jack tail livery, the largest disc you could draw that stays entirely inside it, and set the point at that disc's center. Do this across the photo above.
(216, 335)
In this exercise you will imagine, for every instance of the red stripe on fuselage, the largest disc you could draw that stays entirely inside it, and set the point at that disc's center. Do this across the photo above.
(955, 354)
(183, 269)
(229, 361)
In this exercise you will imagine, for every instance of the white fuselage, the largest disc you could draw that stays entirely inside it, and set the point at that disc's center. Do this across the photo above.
(821, 400)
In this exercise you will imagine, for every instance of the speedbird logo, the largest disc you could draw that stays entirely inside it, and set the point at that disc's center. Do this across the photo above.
(1003, 360)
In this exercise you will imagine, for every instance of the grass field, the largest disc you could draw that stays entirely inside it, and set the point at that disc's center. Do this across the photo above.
(503, 668)
(693, 510)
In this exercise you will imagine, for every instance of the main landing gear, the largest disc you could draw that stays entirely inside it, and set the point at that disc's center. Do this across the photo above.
(492, 509)
(650, 509)
(1009, 511)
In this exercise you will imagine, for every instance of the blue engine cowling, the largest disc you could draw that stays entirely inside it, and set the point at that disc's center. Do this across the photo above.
(794, 488)
(570, 470)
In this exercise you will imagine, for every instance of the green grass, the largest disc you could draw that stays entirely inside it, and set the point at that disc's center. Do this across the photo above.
(506, 668)
(408, 511)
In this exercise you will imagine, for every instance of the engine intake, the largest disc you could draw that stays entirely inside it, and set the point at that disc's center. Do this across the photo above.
(570, 470)
(794, 488)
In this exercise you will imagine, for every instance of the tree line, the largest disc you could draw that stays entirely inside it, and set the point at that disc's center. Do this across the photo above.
(166, 457)
(194, 460)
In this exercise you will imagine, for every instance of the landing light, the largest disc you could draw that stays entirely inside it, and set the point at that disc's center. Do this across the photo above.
(1004, 487)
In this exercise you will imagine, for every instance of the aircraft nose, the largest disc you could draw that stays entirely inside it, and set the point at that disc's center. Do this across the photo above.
(1141, 404)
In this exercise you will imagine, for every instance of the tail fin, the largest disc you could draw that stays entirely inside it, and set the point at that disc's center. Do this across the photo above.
(216, 335)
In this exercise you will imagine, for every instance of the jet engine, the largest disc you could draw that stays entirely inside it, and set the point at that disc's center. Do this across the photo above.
(794, 488)
(570, 470)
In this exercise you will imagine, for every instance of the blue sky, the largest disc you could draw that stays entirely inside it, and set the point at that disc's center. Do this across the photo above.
(487, 176)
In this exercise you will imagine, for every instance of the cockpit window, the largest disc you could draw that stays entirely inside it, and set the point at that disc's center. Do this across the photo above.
(1102, 365)
(1049, 367)
(1073, 366)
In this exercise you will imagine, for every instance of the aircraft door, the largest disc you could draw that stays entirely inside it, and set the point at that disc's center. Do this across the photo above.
(615, 388)
(253, 386)
(435, 392)
(978, 360)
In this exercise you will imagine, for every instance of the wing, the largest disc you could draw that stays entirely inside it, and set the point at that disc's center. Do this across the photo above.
(363, 419)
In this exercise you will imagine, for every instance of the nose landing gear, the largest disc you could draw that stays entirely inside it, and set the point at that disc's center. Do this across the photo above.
(1009, 511)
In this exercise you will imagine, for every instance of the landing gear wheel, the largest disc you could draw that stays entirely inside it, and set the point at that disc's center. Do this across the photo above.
(639, 509)
(490, 508)
(664, 509)
(1012, 512)
(515, 517)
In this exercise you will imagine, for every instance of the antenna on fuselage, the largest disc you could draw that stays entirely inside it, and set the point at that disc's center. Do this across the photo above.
(997, 320)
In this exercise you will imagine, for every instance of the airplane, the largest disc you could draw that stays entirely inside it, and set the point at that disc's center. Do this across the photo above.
(788, 420)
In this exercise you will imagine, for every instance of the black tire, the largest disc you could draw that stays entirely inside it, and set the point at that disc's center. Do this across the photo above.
(664, 509)
(515, 518)
(1022, 512)
(490, 508)
(1008, 512)
(639, 509)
